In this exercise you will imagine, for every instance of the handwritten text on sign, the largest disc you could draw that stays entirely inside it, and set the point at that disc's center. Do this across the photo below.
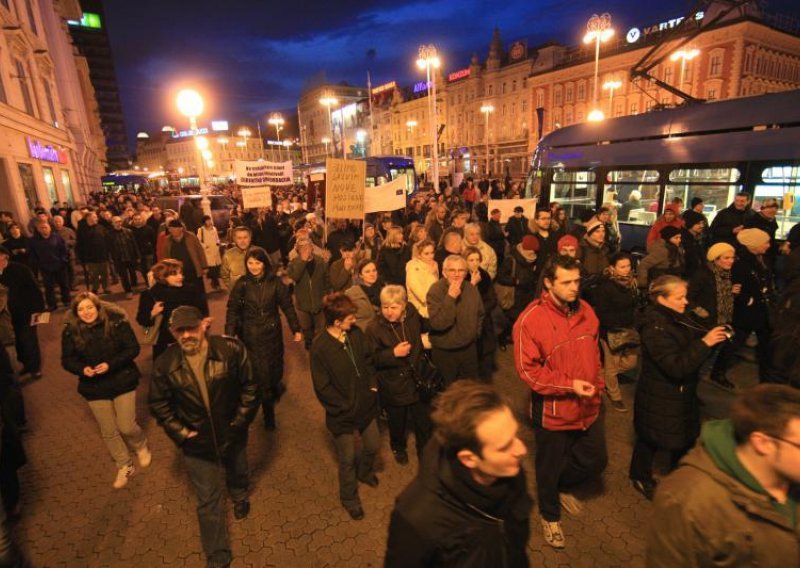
(344, 188)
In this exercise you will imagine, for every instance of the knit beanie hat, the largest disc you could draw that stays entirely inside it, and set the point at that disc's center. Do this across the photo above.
(592, 225)
(717, 250)
(692, 218)
(669, 231)
(567, 241)
(752, 237)
(530, 242)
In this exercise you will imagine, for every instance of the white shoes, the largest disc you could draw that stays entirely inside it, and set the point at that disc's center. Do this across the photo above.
(553, 535)
(144, 456)
(123, 475)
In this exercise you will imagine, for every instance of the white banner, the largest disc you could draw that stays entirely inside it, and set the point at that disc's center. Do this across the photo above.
(260, 173)
(256, 197)
(506, 207)
(387, 197)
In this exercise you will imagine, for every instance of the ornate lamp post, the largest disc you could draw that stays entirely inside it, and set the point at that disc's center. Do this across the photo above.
(429, 60)
(487, 109)
(598, 30)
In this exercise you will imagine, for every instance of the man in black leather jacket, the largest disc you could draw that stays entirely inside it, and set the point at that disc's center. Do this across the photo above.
(469, 505)
(204, 396)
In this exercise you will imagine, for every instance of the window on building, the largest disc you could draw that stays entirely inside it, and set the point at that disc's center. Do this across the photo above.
(504, 88)
(6, 4)
(557, 99)
(25, 87)
(668, 74)
(513, 85)
(567, 117)
(581, 91)
(51, 105)
(711, 94)
(491, 90)
(568, 94)
(3, 97)
(31, 16)
(539, 99)
(524, 105)
(715, 65)
(28, 185)
(50, 183)
(648, 106)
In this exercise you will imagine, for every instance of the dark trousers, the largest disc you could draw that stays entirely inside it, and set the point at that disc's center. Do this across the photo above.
(207, 481)
(127, 273)
(455, 364)
(311, 324)
(644, 453)
(419, 413)
(27, 346)
(741, 333)
(52, 279)
(97, 276)
(563, 460)
(213, 275)
(145, 263)
(352, 466)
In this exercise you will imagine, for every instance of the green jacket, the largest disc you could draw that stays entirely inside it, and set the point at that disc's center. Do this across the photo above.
(309, 289)
(712, 512)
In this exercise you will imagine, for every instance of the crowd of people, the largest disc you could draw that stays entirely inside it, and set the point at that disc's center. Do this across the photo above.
(403, 317)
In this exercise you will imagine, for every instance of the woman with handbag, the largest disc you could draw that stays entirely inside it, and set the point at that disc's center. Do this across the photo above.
(157, 303)
(615, 303)
(99, 347)
(395, 342)
(253, 317)
(666, 410)
(209, 240)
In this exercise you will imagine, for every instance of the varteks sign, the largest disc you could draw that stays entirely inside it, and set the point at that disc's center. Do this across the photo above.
(636, 34)
(46, 153)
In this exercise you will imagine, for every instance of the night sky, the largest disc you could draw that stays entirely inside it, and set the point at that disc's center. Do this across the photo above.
(252, 57)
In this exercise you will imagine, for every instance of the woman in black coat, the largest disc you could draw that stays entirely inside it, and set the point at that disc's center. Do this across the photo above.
(253, 317)
(163, 297)
(666, 411)
(487, 341)
(395, 341)
(99, 347)
(393, 257)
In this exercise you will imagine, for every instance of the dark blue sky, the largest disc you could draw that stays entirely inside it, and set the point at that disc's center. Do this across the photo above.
(252, 57)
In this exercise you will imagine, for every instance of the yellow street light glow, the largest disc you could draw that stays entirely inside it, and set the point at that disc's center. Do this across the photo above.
(241, 144)
(202, 143)
(287, 143)
(276, 120)
(207, 155)
(328, 101)
(686, 55)
(223, 140)
(487, 108)
(325, 140)
(428, 57)
(612, 85)
(596, 116)
(190, 103)
(244, 132)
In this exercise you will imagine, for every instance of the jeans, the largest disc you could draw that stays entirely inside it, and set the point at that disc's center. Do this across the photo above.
(311, 324)
(127, 273)
(97, 273)
(58, 278)
(564, 459)
(455, 364)
(398, 425)
(206, 478)
(118, 427)
(353, 467)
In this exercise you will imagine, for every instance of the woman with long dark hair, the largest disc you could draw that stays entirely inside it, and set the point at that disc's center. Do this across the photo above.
(366, 292)
(253, 317)
(99, 347)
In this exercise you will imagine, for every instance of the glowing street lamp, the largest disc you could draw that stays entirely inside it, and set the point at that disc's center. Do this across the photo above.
(487, 109)
(190, 104)
(684, 55)
(429, 59)
(611, 86)
(598, 30)
(325, 140)
(328, 101)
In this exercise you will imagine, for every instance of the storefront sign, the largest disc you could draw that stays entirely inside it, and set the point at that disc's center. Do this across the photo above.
(635, 34)
(384, 87)
(460, 74)
(420, 87)
(187, 133)
(46, 153)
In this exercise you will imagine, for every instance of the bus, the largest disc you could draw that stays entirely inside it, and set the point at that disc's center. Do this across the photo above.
(380, 169)
(711, 151)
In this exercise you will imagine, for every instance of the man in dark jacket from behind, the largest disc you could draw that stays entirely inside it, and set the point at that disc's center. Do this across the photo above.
(49, 256)
(204, 396)
(729, 221)
(469, 505)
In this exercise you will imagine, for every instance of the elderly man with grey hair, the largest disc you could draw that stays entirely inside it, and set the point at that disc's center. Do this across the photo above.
(473, 238)
(456, 315)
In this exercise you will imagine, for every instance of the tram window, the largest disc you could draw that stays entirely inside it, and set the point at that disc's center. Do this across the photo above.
(782, 183)
(638, 202)
(710, 175)
(574, 190)
(632, 176)
(574, 176)
(715, 197)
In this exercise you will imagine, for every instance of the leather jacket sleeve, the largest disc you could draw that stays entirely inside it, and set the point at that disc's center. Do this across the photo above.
(248, 403)
(160, 400)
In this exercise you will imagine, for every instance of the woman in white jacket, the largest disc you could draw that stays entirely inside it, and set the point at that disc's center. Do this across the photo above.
(209, 239)
(422, 272)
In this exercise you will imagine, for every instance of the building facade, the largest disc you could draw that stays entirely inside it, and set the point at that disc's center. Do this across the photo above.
(49, 152)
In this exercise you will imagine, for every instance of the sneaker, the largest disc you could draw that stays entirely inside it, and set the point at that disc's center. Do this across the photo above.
(241, 509)
(144, 456)
(400, 456)
(619, 406)
(123, 475)
(646, 487)
(570, 504)
(553, 535)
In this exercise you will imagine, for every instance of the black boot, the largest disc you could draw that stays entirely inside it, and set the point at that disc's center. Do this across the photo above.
(269, 415)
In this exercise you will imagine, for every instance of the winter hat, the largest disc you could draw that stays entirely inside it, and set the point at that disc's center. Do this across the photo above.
(718, 250)
(592, 225)
(530, 242)
(752, 237)
(669, 231)
(566, 241)
(692, 218)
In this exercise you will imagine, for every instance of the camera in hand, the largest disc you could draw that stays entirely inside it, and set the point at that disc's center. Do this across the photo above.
(729, 333)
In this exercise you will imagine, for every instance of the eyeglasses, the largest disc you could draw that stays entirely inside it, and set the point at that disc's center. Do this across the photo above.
(795, 444)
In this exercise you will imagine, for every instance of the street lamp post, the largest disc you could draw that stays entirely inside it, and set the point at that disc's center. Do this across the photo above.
(429, 60)
(487, 109)
(325, 140)
(598, 30)
(287, 144)
(611, 86)
(329, 101)
(190, 104)
(277, 121)
(684, 55)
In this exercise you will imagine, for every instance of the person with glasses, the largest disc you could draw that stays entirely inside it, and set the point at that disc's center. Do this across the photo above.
(732, 500)
(456, 317)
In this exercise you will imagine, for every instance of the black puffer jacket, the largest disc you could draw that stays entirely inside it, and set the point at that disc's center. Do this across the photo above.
(178, 406)
(523, 275)
(88, 346)
(666, 412)
(392, 264)
(445, 519)
(751, 305)
(615, 305)
(172, 296)
(395, 376)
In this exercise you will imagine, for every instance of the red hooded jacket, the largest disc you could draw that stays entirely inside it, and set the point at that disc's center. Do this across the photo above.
(553, 347)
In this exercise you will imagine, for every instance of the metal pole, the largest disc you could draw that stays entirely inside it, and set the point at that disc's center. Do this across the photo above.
(487, 143)
(435, 154)
(596, 65)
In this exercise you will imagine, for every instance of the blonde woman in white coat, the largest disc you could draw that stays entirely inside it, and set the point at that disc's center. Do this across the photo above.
(422, 272)
(209, 240)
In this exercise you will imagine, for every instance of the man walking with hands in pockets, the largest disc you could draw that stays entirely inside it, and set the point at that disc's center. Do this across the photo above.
(557, 355)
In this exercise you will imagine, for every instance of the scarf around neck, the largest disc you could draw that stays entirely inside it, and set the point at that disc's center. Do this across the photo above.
(723, 285)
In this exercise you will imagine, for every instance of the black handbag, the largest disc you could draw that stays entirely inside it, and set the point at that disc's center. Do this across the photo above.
(623, 338)
(427, 378)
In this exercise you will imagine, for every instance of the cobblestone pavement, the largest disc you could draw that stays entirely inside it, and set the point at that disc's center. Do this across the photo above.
(73, 517)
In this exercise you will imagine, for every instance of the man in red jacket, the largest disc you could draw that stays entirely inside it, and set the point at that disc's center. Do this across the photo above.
(557, 355)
